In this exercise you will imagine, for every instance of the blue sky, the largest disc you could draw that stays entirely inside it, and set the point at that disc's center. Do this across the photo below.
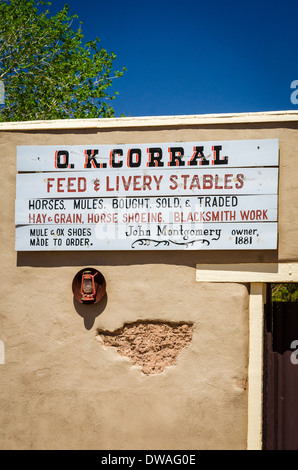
(196, 57)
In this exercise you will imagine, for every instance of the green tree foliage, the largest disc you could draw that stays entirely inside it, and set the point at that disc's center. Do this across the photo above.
(285, 292)
(47, 70)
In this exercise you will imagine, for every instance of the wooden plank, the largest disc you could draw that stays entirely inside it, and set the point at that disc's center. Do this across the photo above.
(158, 237)
(153, 210)
(247, 272)
(240, 153)
(215, 181)
(255, 366)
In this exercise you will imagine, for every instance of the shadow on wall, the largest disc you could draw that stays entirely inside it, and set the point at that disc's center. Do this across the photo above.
(90, 312)
(124, 258)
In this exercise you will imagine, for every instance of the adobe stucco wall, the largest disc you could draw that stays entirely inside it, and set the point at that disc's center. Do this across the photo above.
(61, 386)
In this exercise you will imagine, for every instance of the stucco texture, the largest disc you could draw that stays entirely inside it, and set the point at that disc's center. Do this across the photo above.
(62, 388)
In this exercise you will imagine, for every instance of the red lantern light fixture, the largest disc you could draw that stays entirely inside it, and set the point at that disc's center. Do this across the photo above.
(88, 290)
(89, 286)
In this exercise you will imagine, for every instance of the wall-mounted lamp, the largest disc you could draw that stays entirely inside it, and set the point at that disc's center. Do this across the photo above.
(89, 286)
(88, 290)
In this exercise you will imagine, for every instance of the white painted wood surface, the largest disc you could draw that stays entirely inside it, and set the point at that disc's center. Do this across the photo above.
(157, 237)
(215, 181)
(255, 366)
(245, 171)
(154, 209)
(247, 272)
(241, 153)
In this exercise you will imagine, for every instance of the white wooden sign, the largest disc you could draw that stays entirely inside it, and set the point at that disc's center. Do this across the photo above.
(185, 195)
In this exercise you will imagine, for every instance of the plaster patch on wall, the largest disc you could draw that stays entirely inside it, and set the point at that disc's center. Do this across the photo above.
(152, 345)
